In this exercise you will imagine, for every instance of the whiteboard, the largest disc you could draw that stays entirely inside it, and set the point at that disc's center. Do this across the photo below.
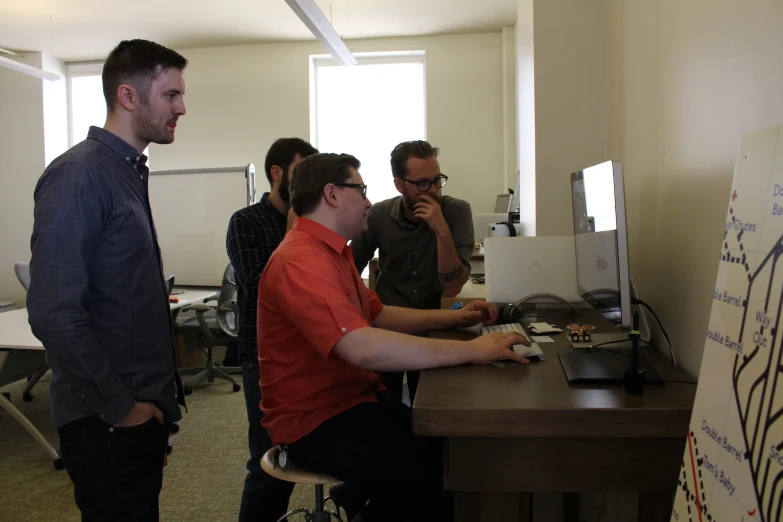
(191, 213)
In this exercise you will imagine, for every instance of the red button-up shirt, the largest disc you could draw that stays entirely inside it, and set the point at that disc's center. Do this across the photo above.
(309, 296)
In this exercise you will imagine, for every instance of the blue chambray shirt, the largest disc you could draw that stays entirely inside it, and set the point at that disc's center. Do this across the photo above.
(97, 298)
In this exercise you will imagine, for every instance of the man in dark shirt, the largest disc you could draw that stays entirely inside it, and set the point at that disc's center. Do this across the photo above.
(97, 299)
(425, 241)
(253, 234)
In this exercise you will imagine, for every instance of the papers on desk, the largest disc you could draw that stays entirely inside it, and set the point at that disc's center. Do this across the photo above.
(541, 339)
(542, 328)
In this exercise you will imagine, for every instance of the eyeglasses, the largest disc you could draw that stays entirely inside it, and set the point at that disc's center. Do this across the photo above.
(355, 185)
(425, 184)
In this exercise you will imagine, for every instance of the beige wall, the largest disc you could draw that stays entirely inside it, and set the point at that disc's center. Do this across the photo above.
(22, 153)
(571, 127)
(685, 81)
(240, 99)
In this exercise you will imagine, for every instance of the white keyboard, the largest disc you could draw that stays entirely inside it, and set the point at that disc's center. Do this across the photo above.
(531, 352)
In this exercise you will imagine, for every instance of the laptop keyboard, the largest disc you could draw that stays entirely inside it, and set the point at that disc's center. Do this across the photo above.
(531, 352)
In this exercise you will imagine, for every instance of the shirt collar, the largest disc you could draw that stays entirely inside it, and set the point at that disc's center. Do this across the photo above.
(395, 211)
(334, 240)
(268, 207)
(127, 151)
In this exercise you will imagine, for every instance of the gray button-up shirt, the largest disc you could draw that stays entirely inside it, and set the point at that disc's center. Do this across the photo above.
(97, 298)
(408, 256)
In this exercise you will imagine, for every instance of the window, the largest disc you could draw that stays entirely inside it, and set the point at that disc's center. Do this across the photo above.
(367, 109)
(86, 104)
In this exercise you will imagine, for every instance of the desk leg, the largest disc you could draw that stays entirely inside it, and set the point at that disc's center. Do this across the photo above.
(571, 507)
(491, 506)
(26, 424)
(655, 506)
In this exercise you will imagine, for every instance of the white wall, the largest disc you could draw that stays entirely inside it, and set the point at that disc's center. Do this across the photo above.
(685, 81)
(240, 99)
(22, 150)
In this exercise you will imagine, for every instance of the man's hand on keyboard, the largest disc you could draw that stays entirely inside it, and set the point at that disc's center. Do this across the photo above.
(475, 313)
(495, 346)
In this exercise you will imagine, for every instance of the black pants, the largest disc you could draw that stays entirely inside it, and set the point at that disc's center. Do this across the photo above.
(117, 473)
(264, 499)
(393, 381)
(371, 446)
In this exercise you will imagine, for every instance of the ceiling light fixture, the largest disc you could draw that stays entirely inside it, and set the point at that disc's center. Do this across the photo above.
(314, 19)
(26, 69)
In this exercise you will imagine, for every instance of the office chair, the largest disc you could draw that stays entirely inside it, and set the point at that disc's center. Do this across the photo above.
(22, 271)
(169, 284)
(217, 329)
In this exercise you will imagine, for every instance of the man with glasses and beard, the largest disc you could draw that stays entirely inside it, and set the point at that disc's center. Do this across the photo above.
(425, 241)
(253, 234)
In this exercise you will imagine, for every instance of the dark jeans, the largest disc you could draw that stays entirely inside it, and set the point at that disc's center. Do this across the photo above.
(117, 473)
(372, 446)
(393, 381)
(264, 499)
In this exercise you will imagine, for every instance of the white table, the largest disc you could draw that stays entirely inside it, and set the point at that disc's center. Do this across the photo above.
(190, 296)
(22, 355)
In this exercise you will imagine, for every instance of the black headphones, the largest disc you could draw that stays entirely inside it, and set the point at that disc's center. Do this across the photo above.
(509, 313)
(512, 231)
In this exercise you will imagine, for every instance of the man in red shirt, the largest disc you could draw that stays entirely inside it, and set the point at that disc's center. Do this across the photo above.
(323, 338)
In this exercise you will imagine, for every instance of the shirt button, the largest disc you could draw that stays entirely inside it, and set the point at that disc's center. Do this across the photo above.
(414, 272)
(414, 291)
(137, 158)
(127, 159)
(343, 328)
(141, 176)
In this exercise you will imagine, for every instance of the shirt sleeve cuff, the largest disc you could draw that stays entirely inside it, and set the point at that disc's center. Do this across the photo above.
(116, 410)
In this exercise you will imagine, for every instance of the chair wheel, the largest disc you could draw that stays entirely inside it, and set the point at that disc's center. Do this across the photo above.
(174, 427)
(27, 397)
(236, 387)
(169, 448)
(59, 464)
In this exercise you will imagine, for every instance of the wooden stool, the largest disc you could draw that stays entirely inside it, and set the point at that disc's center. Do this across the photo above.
(295, 474)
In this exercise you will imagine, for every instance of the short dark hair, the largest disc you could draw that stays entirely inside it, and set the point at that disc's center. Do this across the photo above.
(282, 153)
(313, 173)
(410, 149)
(137, 62)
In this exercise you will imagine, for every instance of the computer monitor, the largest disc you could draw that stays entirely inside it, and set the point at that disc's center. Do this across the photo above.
(601, 240)
(503, 203)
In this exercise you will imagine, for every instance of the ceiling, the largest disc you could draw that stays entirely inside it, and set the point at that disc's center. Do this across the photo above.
(81, 30)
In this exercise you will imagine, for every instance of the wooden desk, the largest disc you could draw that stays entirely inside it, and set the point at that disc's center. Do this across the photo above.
(523, 428)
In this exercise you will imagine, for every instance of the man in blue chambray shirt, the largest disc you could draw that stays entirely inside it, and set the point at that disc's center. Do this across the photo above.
(97, 299)
(254, 232)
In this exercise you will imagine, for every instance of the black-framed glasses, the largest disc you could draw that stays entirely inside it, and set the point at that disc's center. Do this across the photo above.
(354, 185)
(425, 184)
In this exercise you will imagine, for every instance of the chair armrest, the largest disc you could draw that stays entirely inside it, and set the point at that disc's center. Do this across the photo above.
(197, 308)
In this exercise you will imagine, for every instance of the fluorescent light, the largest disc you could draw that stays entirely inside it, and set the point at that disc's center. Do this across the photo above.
(27, 69)
(314, 19)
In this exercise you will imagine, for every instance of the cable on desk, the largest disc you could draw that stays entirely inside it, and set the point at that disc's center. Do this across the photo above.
(666, 335)
(616, 342)
(685, 382)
